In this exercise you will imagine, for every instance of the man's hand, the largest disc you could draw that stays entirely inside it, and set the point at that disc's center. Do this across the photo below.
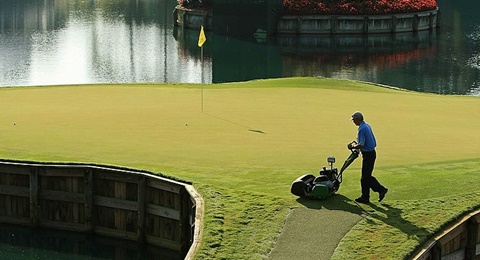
(352, 145)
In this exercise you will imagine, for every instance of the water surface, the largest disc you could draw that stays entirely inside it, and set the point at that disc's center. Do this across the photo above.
(47, 42)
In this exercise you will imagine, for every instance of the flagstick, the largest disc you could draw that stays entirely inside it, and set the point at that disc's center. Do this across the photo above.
(201, 57)
(201, 41)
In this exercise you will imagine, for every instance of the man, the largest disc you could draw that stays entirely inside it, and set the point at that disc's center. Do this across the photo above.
(366, 143)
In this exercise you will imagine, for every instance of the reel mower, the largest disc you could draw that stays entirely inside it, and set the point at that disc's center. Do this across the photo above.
(324, 185)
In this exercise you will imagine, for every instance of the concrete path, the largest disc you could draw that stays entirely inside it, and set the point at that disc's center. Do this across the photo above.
(314, 231)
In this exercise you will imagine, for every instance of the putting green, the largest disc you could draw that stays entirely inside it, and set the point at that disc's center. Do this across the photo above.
(301, 126)
(255, 137)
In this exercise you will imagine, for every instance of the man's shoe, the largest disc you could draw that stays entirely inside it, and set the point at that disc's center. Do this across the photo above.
(362, 200)
(382, 195)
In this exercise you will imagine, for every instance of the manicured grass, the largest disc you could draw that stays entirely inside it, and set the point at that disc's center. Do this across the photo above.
(252, 139)
(392, 230)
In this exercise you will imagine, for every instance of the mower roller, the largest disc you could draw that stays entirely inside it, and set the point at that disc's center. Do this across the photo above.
(324, 185)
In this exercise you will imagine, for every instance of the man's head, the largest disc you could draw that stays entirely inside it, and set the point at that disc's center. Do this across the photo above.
(357, 118)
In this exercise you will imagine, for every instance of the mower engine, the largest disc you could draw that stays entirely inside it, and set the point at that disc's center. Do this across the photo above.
(320, 187)
(328, 181)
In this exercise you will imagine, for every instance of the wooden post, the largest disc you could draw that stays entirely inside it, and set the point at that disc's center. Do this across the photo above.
(415, 22)
(141, 208)
(394, 24)
(333, 25)
(472, 237)
(183, 20)
(185, 227)
(175, 14)
(34, 196)
(88, 188)
(365, 24)
(439, 16)
(299, 24)
(430, 21)
(436, 251)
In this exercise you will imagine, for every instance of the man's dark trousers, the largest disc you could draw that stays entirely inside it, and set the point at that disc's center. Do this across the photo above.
(368, 181)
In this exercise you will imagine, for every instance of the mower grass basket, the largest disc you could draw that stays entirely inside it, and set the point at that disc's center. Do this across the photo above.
(324, 185)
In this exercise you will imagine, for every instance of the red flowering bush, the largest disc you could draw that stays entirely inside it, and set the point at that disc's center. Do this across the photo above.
(195, 4)
(312, 7)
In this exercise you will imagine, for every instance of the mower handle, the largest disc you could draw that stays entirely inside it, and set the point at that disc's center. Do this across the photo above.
(351, 144)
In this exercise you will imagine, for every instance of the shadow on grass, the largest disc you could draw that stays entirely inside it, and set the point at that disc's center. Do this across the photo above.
(385, 213)
(335, 202)
(392, 216)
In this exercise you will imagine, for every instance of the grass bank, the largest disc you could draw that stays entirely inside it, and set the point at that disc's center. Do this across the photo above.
(242, 144)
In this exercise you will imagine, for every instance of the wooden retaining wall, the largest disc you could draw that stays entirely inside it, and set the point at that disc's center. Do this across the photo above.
(326, 24)
(459, 241)
(192, 19)
(107, 201)
(356, 24)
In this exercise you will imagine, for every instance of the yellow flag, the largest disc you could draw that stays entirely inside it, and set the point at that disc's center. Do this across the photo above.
(201, 37)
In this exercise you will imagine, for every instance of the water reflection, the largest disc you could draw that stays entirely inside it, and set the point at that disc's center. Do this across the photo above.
(356, 56)
(474, 37)
(47, 42)
(17, 242)
(75, 42)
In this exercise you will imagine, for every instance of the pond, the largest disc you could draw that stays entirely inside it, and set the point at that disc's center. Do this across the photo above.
(46, 42)
(23, 243)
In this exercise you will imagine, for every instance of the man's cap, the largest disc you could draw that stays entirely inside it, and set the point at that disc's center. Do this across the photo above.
(357, 115)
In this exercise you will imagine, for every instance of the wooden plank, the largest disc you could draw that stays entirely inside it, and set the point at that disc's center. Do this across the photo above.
(12, 168)
(477, 218)
(104, 217)
(62, 196)
(141, 209)
(478, 233)
(165, 243)
(102, 187)
(62, 225)
(75, 190)
(163, 212)
(198, 214)
(120, 219)
(457, 255)
(15, 220)
(115, 233)
(162, 185)
(88, 196)
(163, 198)
(120, 190)
(452, 233)
(472, 238)
(15, 191)
(62, 171)
(114, 203)
(8, 205)
(185, 220)
(116, 175)
(34, 208)
(17, 180)
(425, 255)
